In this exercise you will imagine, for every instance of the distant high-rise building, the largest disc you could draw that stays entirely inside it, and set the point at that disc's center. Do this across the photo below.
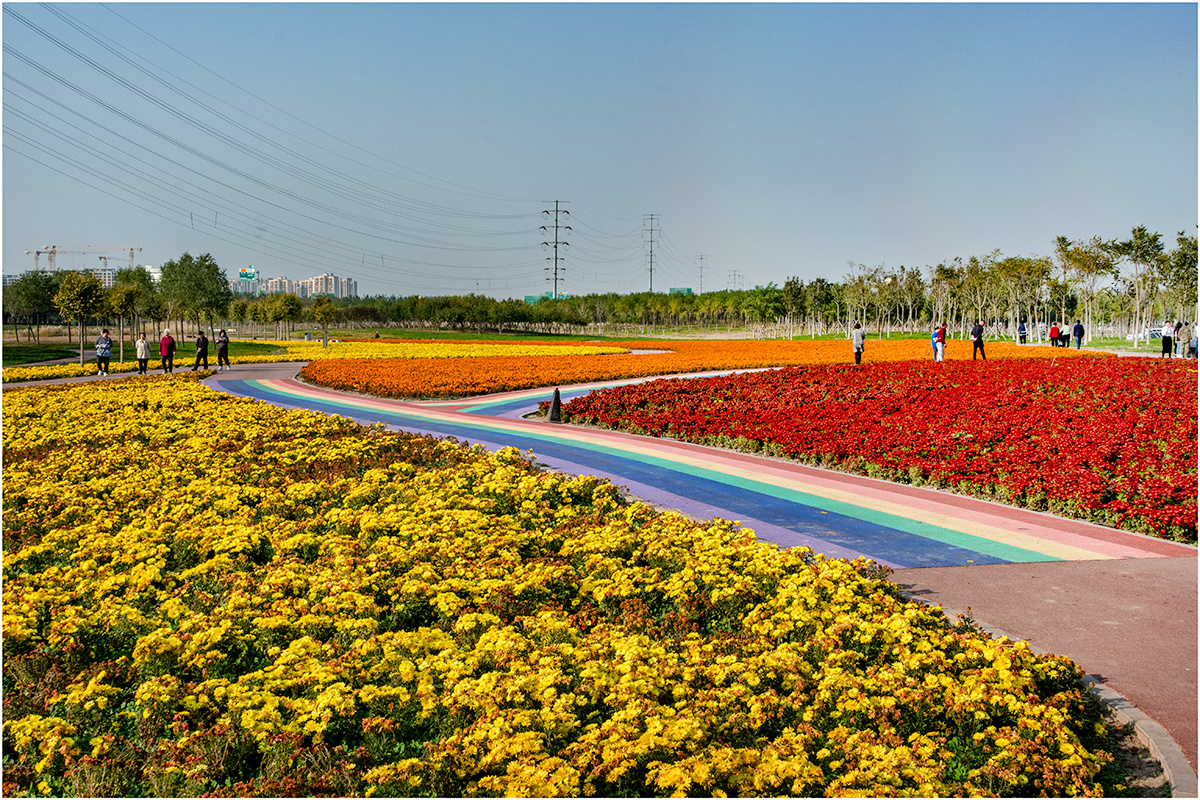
(326, 283)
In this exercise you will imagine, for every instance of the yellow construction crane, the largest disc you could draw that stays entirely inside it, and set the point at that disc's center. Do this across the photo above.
(77, 249)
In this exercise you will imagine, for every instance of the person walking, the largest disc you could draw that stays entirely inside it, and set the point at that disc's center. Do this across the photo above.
(1180, 351)
(1077, 332)
(933, 341)
(941, 343)
(1054, 335)
(1167, 330)
(977, 341)
(1187, 341)
(1022, 332)
(858, 337)
(222, 350)
(166, 350)
(103, 352)
(201, 351)
(143, 354)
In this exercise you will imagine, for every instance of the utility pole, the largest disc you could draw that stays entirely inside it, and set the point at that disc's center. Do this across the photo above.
(650, 219)
(735, 280)
(554, 268)
(701, 274)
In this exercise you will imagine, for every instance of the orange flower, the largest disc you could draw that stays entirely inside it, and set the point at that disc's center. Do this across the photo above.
(466, 377)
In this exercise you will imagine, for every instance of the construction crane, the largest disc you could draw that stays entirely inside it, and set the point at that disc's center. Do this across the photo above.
(52, 250)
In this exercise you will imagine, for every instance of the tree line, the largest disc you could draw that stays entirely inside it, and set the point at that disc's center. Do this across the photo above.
(1115, 287)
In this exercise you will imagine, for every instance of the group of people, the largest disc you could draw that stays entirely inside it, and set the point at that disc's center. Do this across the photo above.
(938, 341)
(166, 351)
(1178, 339)
(1061, 337)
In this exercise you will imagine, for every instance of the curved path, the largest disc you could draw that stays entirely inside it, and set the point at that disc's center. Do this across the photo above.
(1120, 604)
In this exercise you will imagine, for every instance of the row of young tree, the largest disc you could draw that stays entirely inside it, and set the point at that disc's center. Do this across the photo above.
(1115, 287)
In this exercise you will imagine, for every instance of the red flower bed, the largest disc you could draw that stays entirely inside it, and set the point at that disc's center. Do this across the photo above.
(1110, 440)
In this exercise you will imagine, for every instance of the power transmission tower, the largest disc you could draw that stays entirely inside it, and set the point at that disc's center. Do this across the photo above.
(735, 280)
(650, 219)
(701, 274)
(554, 268)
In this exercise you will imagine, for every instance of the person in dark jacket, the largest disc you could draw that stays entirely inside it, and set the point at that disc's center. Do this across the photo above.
(977, 341)
(166, 349)
(103, 352)
(201, 351)
(222, 350)
(1077, 332)
(1022, 332)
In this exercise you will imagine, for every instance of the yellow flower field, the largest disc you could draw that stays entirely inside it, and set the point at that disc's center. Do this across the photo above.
(206, 595)
(313, 351)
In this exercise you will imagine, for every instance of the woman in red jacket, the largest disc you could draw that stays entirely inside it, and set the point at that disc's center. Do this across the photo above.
(166, 349)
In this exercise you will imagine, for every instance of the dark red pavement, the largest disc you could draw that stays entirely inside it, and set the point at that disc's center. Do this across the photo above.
(1132, 621)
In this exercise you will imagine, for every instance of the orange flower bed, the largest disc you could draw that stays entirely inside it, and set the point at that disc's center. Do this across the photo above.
(467, 377)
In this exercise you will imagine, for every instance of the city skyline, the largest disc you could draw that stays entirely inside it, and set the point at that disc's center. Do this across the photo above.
(425, 148)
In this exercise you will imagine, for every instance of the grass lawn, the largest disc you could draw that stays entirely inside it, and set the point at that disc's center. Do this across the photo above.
(16, 354)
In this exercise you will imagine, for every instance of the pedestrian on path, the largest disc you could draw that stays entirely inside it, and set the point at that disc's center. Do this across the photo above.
(103, 352)
(223, 350)
(977, 341)
(1054, 335)
(933, 341)
(1022, 332)
(941, 343)
(166, 349)
(858, 336)
(1167, 330)
(143, 354)
(201, 351)
(1077, 332)
(1180, 350)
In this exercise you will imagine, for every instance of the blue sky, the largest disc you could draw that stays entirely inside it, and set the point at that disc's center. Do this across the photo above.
(414, 147)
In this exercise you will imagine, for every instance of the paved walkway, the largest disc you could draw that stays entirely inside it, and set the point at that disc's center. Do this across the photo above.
(1121, 605)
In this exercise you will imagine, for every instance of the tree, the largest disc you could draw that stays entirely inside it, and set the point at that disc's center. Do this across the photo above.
(910, 292)
(238, 310)
(145, 300)
(30, 297)
(857, 291)
(323, 312)
(793, 301)
(1087, 263)
(1179, 277)
(944, 281)
(79, 296)
(979, 285)
(1141, 250)
(819, 294)
(285, 308)
(123, 300)
(199, 287)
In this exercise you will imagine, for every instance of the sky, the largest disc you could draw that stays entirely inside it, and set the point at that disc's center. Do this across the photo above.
(422, 148)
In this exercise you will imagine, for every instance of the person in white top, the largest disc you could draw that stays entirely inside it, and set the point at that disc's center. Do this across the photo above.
(858, 336)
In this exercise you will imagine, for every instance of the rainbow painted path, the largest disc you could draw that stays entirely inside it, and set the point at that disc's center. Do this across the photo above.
(834, 513)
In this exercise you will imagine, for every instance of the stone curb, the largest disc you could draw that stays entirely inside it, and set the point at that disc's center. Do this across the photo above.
(1164, 748)
(1168, 753)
